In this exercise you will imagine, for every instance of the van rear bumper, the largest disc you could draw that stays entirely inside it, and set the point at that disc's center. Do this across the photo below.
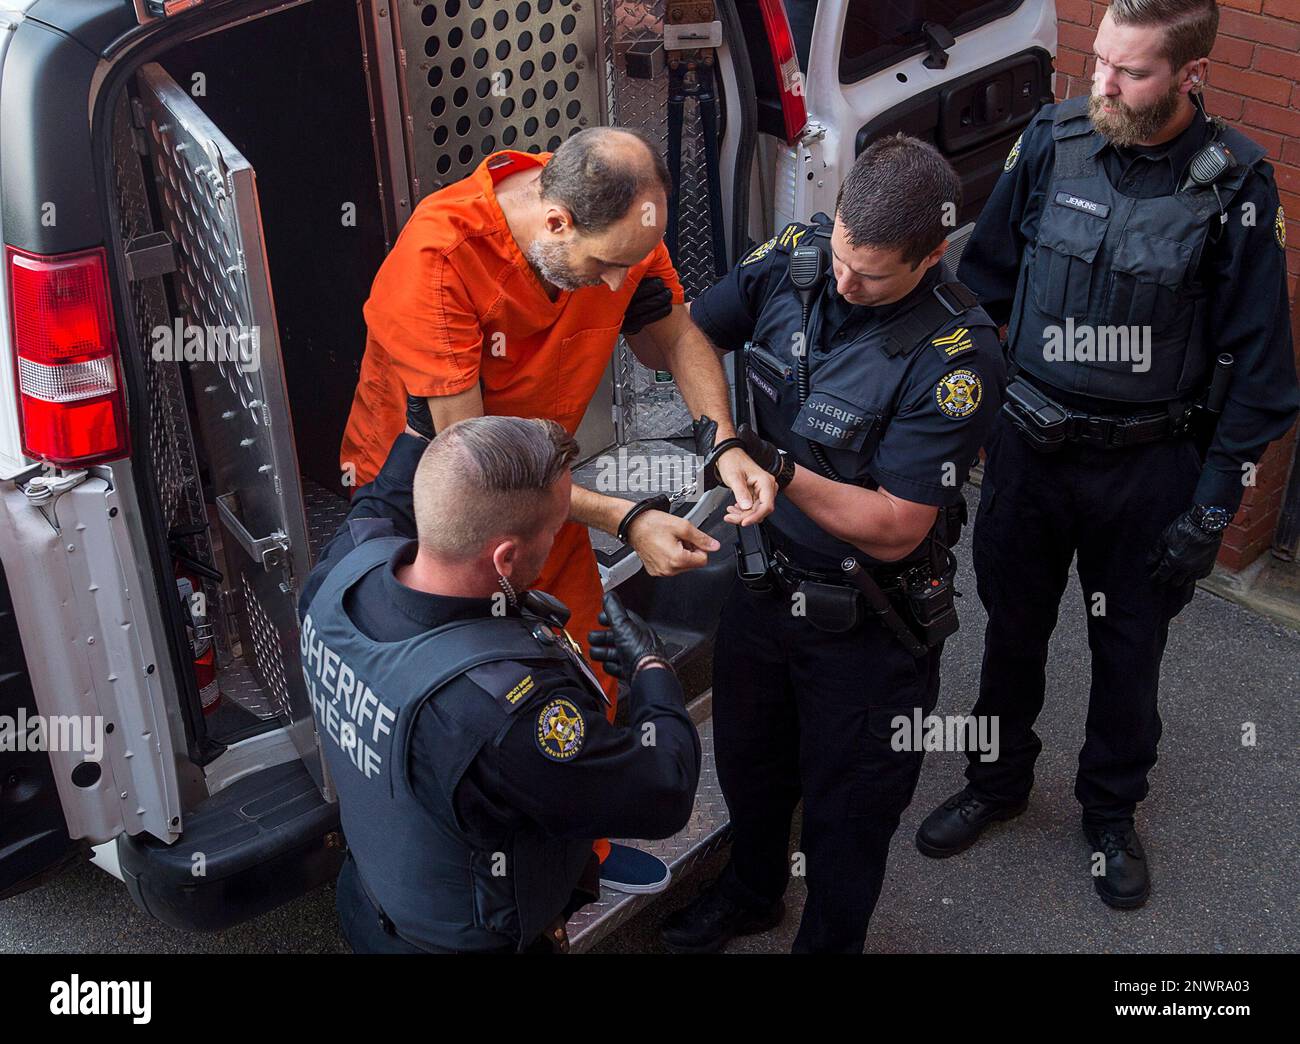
(262, 841)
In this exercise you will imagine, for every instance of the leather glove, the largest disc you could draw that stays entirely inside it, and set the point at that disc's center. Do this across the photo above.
(651, 301)
(1184, 553)
(418, 416)
(626, 643)
(760, 451)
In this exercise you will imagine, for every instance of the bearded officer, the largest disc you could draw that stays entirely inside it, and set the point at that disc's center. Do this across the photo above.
(465, 734)
(873, 378)
(1126, 210)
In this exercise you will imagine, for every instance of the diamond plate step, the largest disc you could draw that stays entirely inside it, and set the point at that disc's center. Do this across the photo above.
(682, 852)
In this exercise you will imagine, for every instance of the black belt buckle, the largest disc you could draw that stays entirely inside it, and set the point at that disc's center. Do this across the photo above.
(1040, 420)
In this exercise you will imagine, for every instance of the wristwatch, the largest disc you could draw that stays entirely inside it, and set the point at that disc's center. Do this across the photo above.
(1211, 519)
(786, 471)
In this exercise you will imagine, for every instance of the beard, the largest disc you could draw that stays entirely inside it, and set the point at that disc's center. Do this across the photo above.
(1126, 126)
(551, 263)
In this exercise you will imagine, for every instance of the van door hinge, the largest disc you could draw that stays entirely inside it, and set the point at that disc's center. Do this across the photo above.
(150, 256)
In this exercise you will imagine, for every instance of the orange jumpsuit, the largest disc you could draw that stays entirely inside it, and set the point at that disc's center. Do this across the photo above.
(456, 303)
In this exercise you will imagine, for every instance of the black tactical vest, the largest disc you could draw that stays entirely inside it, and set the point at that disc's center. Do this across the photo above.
(1109, 303)
(442, 888)
(853, 391)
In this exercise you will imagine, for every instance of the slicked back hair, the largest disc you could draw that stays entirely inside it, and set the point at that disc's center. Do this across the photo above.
(1190, 25)
(487, 477)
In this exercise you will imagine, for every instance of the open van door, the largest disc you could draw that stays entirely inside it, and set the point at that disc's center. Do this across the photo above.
(965, 75)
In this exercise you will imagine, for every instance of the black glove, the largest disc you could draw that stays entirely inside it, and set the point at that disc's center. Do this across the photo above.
(627, 642)
(760, 451)
(418, 416)
(1184, 553)
(651, 301)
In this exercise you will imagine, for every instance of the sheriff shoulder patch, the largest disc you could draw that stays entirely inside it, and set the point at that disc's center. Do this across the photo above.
(958, 394)
(1013, 155)
(954, 343)
(1279, 227)
(560, 730)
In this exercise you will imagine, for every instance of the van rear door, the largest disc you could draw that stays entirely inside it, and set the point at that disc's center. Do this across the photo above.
(226, 331)
(964, 75)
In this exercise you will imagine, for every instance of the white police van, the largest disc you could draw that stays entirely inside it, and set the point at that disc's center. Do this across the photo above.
(194, 198)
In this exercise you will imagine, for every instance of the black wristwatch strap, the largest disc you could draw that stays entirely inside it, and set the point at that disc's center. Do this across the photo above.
(659, 502)
(786, 472)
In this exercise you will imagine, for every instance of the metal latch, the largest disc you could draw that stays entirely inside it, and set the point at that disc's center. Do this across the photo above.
(149, 256)
(269, 550)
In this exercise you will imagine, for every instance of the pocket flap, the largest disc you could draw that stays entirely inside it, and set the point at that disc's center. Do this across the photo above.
(1152, 259)
(1069, 231)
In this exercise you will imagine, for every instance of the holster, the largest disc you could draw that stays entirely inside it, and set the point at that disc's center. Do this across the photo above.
(832, 608)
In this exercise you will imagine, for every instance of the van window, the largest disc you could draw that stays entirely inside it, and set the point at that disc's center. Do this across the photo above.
(879, 34)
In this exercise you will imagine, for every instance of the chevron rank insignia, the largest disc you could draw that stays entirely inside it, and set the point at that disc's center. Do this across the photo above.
(1013, 155)
(954, 343)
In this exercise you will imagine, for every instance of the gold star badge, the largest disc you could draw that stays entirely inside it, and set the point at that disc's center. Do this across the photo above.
(560, 730)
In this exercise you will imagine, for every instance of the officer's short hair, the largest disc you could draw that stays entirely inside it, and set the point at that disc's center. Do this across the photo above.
(597, 179)
(898, 195)
(1191, 25)
(487, 477)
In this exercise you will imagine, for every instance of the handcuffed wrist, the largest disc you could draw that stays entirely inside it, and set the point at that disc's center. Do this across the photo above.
(659, 502)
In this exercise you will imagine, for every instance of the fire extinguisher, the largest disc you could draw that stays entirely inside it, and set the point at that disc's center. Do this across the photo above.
(199, 631)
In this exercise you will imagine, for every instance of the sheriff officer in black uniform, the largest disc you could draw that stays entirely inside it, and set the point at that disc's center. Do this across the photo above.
(872, 388)
(464, 733)
(1132, 245)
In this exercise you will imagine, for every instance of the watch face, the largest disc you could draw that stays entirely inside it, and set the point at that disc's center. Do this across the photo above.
(1213, 519)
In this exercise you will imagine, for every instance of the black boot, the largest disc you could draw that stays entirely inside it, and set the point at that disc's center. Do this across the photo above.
(957, 824)
(708, 922)
(1125, 881)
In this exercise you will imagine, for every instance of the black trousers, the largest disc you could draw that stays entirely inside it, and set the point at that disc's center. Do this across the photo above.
(799, 713)
(1037, 511)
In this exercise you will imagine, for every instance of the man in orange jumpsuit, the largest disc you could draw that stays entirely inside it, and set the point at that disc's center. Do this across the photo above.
(504, 294)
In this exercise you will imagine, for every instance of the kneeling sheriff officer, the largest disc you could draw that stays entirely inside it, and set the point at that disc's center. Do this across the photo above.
(465, 734)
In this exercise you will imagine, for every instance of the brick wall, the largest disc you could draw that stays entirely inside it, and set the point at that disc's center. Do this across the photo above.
(1254, 83)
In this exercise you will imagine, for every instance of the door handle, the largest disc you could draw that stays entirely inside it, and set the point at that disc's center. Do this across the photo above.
(269, 550)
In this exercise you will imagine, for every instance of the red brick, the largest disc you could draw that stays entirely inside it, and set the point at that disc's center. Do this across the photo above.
(1077, 11)
(1077, 37)
(1275, 143)
(1276, 62)
(1272, 117)
(1069, 61)
(1256, 27)
(1252, 84)
(1291, 151)
(1288, 9)
(1244, 5)
(1227, 106)
(1232, 51)
(1099, 11)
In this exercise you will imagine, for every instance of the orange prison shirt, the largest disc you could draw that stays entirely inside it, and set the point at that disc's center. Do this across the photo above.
(455, 303)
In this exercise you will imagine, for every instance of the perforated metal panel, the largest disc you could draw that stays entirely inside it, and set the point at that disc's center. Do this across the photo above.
(483, 75)
(207, 194)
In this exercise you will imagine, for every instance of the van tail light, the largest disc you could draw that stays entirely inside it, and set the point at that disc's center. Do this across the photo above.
(789, 79)
(65, 353)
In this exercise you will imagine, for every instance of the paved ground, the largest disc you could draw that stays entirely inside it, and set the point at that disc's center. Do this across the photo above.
(1220, 829)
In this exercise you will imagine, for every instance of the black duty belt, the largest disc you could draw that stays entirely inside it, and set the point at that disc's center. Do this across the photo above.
(788, 576)
(1048, 424)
